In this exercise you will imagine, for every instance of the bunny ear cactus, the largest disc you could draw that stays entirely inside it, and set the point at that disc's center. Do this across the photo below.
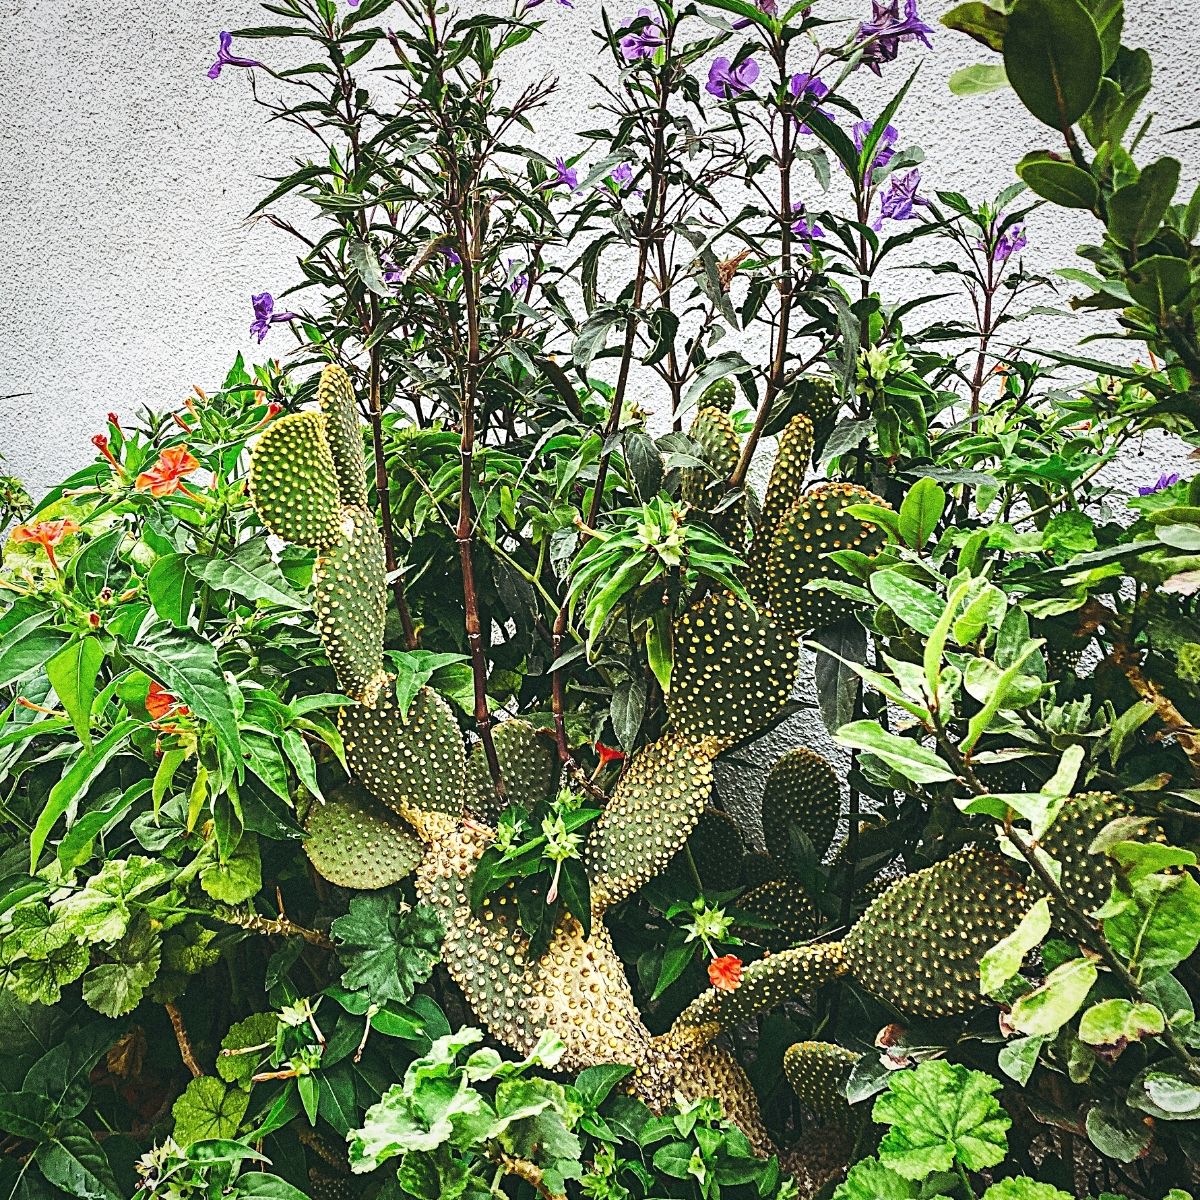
(818, 1072)
(802, 791)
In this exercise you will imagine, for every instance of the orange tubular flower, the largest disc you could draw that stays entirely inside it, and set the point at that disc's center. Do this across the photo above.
(725, 973)
(160, 703)
(46, 534)
(608, 754)
(100, 441)
(165, 478)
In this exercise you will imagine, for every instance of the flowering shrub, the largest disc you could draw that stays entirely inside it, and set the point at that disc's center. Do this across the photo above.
(218, 974)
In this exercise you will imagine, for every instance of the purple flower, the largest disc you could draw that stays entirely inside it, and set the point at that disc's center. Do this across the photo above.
(897, 199)
(518, 280)
(885, 148)
(622, 176)
(805, 230)
(644, 43)
(1011, 241)
(881, 36)
(225, 59)
(810, 88)
(565, 176)
(1163, 481)
(724, 82)
(265, 315)
(451, 256)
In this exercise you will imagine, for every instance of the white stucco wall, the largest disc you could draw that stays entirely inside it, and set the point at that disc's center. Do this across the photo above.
(128, 173)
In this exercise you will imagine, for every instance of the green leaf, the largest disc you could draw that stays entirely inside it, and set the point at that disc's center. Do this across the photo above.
(1021, 1187)
(913, 603)
(386, 952)
(869, 1179)
(1158, 283)
(238, 876)
(1159, 926)
(61, 1074)
(186, 665)
(254, 1030)
(921, 511)
(1060, 182)
(250, 573)
(940, 1115)
(75, 779)
(102, 910)
(208, 1109)
(999, 964)
(115, 988)
(72, 673)
(1018, 1057)
(25, 1114)
(1113, 1023)
(984, 22)
(73, 1161)
(1048, 1008)
(595, 1083)
(171, 589)
(255, 1185)
(366, 266)
(1136, 210)
(978, 80)
(1054, 60)
(909, 758)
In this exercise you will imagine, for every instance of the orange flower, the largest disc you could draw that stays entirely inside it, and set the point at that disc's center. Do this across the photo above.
(166, 476)
(608, 754)
(725, 973)
(47, 534)
(160, 703)
(100, 441)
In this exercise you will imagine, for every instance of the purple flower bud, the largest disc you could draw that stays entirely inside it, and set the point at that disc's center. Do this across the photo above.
(805, 230)
(1160, 484)
(265, 315)
(1010, 242)
(725, 80)
(225, 59)
(811, 89)
(622, 176)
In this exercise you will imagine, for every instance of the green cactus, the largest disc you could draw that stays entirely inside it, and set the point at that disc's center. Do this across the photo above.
(790, 915)
(717, 850)
(703, 488)
(784, 488)
(720, 394)
(354, 842)
(818, 1072)
(816, 525)
(917, 947)
(527, 763)
(802, 791)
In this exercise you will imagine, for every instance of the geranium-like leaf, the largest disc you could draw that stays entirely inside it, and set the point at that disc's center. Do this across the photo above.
(941, 1114)
(386, 952)
(255, 1030)
(115, 987)
(208, 1109)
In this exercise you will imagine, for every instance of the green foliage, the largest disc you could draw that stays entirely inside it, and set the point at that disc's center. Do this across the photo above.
(386, 952)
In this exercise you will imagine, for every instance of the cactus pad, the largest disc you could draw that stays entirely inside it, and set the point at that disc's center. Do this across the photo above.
(917, 947)
(526, 763)
(414, 765)
(355, 843)
(785, 487)
(720, 394)
(818, 1072)
(704, 487)
(792, 915)
(293, 482)
(349, 596)
(816, 525)
(802, 790)
(335, 395)
(1086, 877)
(649, 816)
(717, 849)
(734, 670)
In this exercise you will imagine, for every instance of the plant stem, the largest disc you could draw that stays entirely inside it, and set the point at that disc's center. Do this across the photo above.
(186, 1052)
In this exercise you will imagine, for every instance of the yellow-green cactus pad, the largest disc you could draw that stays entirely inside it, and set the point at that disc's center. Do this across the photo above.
(720, 448)
(918, 946)
(649, 816)
(818, 1072)
(765, 985)
(1086, 877)
(734, 670)
(354, 842)
(414, 765)
(350, 596)
(717, 848)
(335, 395)
(526, 759)
(785, 487)
(720, 394)
(292, 480)
(791, 915)
(802, 790)
(816, 525)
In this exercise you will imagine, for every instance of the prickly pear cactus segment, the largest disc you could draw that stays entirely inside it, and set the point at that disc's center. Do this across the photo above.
(526, 762)
(802, 790)
(917, 947)
(293, 482)
(350, 597)
(765, 985)
(415, 764)
(816, 397)
(649, 816)
(720, 394)
(713, 431)
(785, 487)
(335, 395)
(815, 526)
(734, 670)
(355, 843)
(717, 850)
(1086, 878)
(790, 915)
(818, 1072)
